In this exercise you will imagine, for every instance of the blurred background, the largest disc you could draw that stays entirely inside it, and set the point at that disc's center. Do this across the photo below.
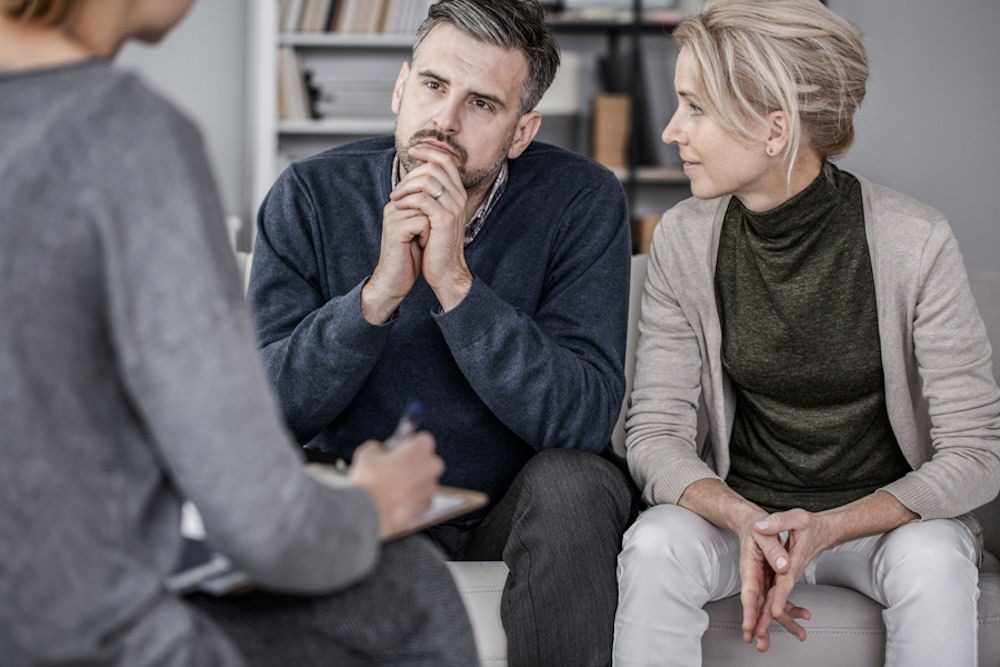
(929, 126)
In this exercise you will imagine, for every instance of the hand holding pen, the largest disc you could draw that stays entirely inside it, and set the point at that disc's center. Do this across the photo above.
(401, 475)
(407, 426)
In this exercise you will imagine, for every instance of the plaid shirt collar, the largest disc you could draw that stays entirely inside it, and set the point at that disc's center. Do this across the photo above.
(478, 221)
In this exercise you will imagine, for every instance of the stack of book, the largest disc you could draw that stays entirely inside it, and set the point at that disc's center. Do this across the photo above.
(352, 16)
(318, 86)
(362, 90)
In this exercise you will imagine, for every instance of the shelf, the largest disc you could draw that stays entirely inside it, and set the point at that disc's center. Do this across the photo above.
(652, 23)
(613, 20)
(653, 175)
(337, 126)
(327, 40)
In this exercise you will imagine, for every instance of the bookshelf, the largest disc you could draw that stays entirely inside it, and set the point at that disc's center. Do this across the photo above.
(637, 62)
(279, 134)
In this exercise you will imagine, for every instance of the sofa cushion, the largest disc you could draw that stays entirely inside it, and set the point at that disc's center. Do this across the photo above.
(481, 585)
(846, 629)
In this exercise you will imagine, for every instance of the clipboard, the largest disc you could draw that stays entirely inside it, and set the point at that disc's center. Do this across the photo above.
(447, 503)
(206, 571)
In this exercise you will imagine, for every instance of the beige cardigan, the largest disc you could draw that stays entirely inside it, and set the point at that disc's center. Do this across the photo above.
(942, 398)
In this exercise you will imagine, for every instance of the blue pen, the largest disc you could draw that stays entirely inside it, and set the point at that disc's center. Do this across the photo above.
(407, 426)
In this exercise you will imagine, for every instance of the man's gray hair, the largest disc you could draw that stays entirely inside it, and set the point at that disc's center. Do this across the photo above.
(509, 24)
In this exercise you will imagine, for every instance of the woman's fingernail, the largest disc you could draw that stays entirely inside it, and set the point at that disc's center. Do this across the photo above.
(781, 562)
(762, 524)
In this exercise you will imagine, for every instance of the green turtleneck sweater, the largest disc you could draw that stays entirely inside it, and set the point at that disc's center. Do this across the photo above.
(796, 300)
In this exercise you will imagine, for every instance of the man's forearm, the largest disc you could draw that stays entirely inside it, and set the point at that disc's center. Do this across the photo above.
(319, 367)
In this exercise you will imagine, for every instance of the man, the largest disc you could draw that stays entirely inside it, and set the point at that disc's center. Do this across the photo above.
(131, 381)
(486, 276)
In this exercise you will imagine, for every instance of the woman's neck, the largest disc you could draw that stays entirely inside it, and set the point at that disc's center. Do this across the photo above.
(779, 186)
(89, 34)
(28, 47)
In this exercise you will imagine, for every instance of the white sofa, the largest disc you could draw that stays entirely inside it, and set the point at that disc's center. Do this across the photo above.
(846, 627)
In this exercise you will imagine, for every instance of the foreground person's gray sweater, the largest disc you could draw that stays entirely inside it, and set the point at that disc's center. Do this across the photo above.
(129, 376)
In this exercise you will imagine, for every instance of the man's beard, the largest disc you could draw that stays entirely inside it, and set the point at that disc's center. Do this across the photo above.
(471, 180)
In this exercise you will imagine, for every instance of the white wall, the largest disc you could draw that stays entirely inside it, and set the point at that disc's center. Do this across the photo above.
(200, 67)
(929, 127)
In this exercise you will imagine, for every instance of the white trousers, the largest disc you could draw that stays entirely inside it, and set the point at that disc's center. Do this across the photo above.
(673, 562)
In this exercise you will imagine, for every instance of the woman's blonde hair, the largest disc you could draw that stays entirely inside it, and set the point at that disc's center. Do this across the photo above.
(39, 12)
(753, 57)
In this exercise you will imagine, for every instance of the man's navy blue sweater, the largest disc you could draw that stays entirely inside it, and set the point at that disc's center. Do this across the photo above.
(531, 359)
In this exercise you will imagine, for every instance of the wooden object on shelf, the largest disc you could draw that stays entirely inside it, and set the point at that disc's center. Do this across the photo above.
(610, 129)
(642, 232)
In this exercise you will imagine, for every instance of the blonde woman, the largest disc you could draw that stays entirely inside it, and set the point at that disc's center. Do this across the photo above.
(827, 325)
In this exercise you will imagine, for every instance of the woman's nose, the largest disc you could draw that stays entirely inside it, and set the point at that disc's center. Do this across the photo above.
(671, 133)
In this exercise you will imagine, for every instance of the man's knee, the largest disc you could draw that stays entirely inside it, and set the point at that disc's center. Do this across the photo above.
(572, 479)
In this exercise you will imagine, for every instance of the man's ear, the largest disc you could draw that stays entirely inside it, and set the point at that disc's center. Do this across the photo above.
(397, 90)
(525, 130)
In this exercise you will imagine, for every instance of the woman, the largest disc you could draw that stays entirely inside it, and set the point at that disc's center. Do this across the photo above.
(130, 381)
(821, 319)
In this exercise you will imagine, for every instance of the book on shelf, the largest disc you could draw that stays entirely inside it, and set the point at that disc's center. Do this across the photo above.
(293, 95)
(403, 17)
(400, 16)
(353, 16)
(290, 14)
(316, 84)
(315, 15)
(347, 16)
(364, 89)
(370, 17)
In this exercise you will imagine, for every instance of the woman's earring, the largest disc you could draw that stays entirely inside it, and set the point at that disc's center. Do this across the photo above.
(770, 150)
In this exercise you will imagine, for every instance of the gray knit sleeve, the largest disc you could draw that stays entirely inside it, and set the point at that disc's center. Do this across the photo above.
(188, 357)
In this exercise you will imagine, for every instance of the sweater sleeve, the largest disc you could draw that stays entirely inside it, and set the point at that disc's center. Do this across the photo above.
(189, 363)
(555, 377)
(952, 354)
(317, 352)
(661, 424)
